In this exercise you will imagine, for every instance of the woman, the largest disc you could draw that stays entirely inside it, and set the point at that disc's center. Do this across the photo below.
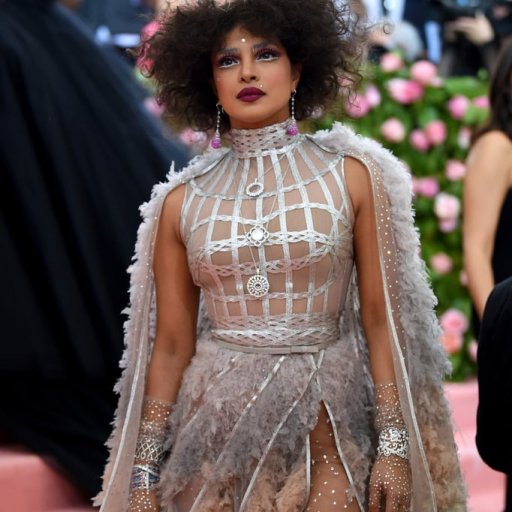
(488, 243)
(281, 249)
(488, 188)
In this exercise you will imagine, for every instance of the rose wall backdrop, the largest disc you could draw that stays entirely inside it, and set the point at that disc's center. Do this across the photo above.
(427, 122)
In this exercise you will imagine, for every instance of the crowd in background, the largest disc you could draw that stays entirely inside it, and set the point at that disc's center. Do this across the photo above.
(461, 36)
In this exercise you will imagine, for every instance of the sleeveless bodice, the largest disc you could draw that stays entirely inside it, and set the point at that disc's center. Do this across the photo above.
(297, 233)
(502, 253)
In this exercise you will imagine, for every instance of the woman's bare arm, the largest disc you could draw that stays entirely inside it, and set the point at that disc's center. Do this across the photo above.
(390, 479)
(373, 306)
(177, 305)
(487, 180)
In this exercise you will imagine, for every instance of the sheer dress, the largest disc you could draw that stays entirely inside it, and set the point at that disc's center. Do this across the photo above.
(245, 432)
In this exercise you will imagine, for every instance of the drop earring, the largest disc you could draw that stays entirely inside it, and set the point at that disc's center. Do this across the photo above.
(216, 141)
(292, 128)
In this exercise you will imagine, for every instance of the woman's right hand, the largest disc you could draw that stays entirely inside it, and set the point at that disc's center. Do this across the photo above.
(143, 500)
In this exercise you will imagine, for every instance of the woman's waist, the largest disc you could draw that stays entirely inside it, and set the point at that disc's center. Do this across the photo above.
(294, 336)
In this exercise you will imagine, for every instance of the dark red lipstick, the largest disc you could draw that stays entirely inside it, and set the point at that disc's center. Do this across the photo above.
(250, 94)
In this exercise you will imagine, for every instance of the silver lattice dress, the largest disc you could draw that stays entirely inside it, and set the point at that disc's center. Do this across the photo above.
(265, 364)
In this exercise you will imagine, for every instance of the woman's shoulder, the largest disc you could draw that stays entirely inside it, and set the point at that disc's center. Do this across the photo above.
(342, 138)
(490, 155)
(492, 140)
(199, 165)
(366, 151)
(174, 185)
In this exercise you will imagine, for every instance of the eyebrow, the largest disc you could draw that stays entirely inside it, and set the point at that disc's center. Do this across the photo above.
(258, 46)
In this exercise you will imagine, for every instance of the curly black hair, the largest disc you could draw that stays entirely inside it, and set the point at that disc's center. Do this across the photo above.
(500, 95)
(326, 41)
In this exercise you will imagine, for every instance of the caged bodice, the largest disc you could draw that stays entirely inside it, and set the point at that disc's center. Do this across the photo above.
(296, 233)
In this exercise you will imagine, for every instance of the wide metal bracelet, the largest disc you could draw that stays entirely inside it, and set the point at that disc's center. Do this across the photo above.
(144, 476)
(393, 441)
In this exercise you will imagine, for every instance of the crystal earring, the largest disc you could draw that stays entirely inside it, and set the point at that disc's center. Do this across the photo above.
(216, 141)
(292, 126)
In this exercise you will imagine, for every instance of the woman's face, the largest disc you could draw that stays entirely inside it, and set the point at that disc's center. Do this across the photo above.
(253, 79)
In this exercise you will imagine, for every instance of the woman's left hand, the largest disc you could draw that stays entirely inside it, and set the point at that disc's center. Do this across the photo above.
(390, 485)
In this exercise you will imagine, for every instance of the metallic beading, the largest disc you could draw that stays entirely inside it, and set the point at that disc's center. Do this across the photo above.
(274, 138)
(149, 451)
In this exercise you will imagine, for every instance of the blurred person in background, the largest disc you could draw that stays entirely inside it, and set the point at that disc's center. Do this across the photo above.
(473, 33)
(494, 359)
(488, 255)
(488, 188)
(78, 154)
(413, 28)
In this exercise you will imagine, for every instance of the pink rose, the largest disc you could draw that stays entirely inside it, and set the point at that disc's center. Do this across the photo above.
(419, 140)
(455, 170)
(144, 63)
(473, 350)
(390, 62)
(452, 343)
(448, 225)
(358, 106)
(454, 321)
(393, 130)
(464, 137)
(404, 91)
(153, 106)
(481, 102)
(415, 185)
(446, 206)
(150, 29)
(373, 96)
(191, 137)
(424, 72)
(436, 132)
(427, 187)
(345, 83)
(441, 263)
(457, 106)
(317, 113)
(437, 81)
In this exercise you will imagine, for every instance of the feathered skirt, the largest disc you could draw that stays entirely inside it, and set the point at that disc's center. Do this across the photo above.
(239, 430)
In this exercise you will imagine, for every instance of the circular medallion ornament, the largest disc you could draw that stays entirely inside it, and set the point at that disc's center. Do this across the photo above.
(257, 236)
(254, 189)
(258, 285)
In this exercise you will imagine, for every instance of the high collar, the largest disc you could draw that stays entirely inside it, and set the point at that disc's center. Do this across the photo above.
(262, 141)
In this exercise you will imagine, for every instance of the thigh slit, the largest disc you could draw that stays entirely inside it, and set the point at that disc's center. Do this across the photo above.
(329, 481)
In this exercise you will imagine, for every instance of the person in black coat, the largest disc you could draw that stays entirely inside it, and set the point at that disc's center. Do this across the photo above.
(494, 358)
(78, 154)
